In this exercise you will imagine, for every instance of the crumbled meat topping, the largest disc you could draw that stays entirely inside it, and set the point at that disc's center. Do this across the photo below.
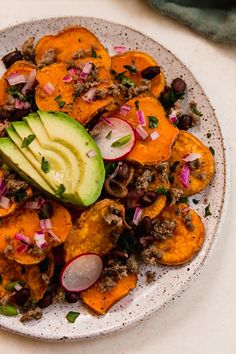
(143, 181)
(163, 171)
(132, 264)
(113, 219)
(150, 276)
(27, 49)
(13, 184)
(175, 195)
(162, 229)
(3, 125)
(45, 278)
(187, 218)
(31, 314)
(199, 175)
(111, 275)
(151, 255)
(80, 87)
(48, 58)
(59, 295)
(193, 165)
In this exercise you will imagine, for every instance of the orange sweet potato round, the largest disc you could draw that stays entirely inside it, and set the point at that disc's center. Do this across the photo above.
(93, 233)
(185, 144)
(76, 107)
(139, 61)
(101, 302)
(69, 41)
(21, 67)
(185, 243)
(26, 221)
(148, 152)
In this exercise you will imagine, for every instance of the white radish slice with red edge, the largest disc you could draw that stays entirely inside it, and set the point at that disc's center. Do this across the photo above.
(81, 272)
(115, 138)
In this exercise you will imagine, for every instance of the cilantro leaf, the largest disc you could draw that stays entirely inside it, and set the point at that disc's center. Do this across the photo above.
(196, 111)
(212, 150)
(72, 316)
(153, 122)
(59, 101)
(61, 189)
(93, 53)
(27, 140)
(162, 190)
(131, 68)
(207, 211)
(136, 105)
(45, 166)
(124, 80)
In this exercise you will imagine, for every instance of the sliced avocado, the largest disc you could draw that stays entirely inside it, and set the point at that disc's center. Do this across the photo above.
(67, 131)
(45, 142)
(16, 160)
(69, 150)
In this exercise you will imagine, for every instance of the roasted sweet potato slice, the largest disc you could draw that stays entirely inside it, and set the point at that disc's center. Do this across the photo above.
(26, 222)
(94, 230)
(151, 152)
(70, 41)
(138, 61)
(100, 302)
(21, 67)
(186, 241)
(64, 97)
(201, 173)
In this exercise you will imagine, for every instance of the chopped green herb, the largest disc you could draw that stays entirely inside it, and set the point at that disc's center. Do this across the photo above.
(20, 195)
(14, 92)
(93, 53)
(196, 201)
(61, 189)
(122, 141)
(11, 285)
(124, 80)
(208, 135)
(110, 168)
(174, 166)
(59, 101)
(195, 111)
(28, 140)
(45, 166)
(207, 211)
(183, 200)
(71, 316)
(212, 150)
(131, 68)
(113, 72)
(153, 122)
(162, 190)
(8, 310)
(108, 136)
(137, 105)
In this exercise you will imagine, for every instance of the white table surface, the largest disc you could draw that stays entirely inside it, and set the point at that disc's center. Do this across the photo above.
(203, 319)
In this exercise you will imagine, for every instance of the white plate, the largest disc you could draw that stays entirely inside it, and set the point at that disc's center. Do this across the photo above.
(171, 282)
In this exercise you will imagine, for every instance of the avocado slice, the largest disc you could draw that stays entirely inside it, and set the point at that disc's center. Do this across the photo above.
(76, 175)
(16, 160)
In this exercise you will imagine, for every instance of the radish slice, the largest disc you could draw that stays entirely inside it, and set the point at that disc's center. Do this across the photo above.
(81, 272)
(115, 140)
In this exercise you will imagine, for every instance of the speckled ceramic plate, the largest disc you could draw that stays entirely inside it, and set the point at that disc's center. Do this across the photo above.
(171, 282)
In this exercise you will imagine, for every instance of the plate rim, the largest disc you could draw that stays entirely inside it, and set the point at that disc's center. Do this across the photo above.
(220, 222)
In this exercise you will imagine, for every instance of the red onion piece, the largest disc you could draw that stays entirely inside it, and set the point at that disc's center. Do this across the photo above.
(16, 79)
(141, 118)
(154, 135)
(40, 239)
(48, 223)
(67, 79)
(107, 121)
(123, 110)
(91, 154)
(86, 70)
(192, 157)
(35, 204)
(141, 132)
(54, 236)
(119, 49)
(90, 94)
(49, 88)
(22, 238)
(3, 187)
(22, 248)
(185, 176)
(30, 82)
(137, 215)
(4, 202)
(21, 105)
(18, 287)
(173, 119)
(42, 224)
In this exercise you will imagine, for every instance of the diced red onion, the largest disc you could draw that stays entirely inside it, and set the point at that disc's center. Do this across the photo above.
(67, 79)
(137, 215)
(22, 238)
(54, 236)
(35, 204)
(42, 224)
(173, 119)
(3, 187)
(86, 70)
(21, 105)
(16, 79)
(22, 248)
(90, 94)
(119, 49)
(30, 82)
(141, 118)
(154, 135)
(123, 110)
(192, 157)
(91, 154)
(4, 202)
(18, 287)
(49, 88)
(48, 223)
(40, 239)
(107, 121)
(185, 176)
(185, 210)
(141, 132)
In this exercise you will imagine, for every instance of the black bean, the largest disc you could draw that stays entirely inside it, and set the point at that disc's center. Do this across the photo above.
(21, 296)
(51, 288)
(11, 58)
(178, 85)
(46, 211)
(147, 224)
(150, 72)
(45, 301)
(185, 122)
(146, 241)
(71, 297)
(133, 198)
(119, 254)
(148, 198)
(123, 171)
